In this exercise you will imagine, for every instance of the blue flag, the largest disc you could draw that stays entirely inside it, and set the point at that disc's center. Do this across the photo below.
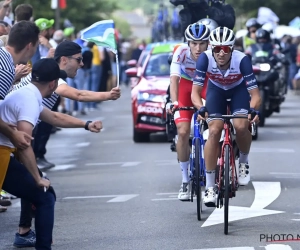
(101, 33)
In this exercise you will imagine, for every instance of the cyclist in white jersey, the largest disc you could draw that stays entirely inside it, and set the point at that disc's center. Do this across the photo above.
(181, 74)
(230, 76)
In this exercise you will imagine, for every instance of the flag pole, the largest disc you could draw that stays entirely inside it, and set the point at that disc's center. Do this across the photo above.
(118, 70)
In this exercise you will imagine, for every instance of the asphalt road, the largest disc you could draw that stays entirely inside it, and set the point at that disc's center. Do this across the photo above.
(115, 194)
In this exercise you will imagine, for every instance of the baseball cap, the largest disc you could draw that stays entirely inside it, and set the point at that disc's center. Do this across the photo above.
(44, 23)
(46, 70)
(66, 48)
(69, 31)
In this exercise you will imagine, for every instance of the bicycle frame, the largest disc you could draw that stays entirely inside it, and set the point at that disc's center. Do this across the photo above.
(198, 135)
(228, 141)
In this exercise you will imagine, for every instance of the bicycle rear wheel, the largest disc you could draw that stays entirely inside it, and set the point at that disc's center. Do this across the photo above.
(198, 175)
(227, 188)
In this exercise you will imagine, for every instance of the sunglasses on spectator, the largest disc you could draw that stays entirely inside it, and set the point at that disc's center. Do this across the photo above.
(225, 49)
(78, 59)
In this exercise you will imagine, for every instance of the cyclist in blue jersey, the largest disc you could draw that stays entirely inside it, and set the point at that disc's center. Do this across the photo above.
(230, 76)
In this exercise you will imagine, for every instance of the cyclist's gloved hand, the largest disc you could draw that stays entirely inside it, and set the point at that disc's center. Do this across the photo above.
(202, 113)
(174, 106)
(253, 115)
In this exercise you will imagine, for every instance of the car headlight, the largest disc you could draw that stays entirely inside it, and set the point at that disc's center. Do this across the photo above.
(146, 97)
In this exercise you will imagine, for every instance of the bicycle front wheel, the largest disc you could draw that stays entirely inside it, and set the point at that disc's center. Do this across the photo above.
(227, 188)
(198, 180)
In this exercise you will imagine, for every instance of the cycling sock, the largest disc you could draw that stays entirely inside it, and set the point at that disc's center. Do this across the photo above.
(184, 170)
(243, 157)
(210, 178)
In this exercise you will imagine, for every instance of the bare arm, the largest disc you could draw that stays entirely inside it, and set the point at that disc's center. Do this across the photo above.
(255, 98)
(66, 121)
(195, 96)
(3, 9)
(174, 87)
(20, 139)
(85, 95)
(61, 120)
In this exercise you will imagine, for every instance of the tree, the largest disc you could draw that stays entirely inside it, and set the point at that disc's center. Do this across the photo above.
(122, 26)
(285, 10)
(81, 13)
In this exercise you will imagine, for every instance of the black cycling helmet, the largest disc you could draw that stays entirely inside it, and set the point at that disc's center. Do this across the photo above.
(262, 34)
(252, 22)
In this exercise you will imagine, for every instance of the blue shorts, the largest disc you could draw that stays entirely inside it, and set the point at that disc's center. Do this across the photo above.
(216, 100)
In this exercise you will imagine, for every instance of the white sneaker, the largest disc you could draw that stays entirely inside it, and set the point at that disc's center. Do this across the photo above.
(184, 192)
(244, 174)
(210, 197)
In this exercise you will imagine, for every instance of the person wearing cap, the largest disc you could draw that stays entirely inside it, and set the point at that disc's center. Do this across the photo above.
(69, 33)
(69, 58)
(23, 108)
(45, 35)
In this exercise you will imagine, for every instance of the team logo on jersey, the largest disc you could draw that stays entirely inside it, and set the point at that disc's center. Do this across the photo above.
(199, 78)
(178, 58)
(251, 81)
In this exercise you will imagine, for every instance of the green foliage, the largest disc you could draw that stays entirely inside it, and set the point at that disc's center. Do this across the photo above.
(122, 26)
(81, 13)
(285, 10)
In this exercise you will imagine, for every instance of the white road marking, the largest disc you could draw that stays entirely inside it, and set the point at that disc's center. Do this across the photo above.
(82, 144)
(116, 198)
(103, 163)
(122, 164)
(295, 219)
(62, 167)
(123, 198)
(131, 164)
(264, 199)
(240, 213)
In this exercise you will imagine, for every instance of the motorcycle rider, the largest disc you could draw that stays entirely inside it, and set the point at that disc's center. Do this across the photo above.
(252, 26)
(263, 42)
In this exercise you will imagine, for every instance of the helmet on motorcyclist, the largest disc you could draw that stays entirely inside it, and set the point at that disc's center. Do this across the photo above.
(210, 23)
(262, 36)
(252, 22)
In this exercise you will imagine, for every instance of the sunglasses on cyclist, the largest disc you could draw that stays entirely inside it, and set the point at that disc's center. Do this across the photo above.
(225, 49)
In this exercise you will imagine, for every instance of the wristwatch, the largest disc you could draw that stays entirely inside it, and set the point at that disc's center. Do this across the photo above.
(86, 126)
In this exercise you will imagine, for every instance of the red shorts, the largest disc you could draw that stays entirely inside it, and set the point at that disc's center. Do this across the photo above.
(184, 100)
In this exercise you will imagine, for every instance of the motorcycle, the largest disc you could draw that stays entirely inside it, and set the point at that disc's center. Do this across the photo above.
(271, 82)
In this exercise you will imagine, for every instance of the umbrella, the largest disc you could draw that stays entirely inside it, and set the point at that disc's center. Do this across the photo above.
(282, 30)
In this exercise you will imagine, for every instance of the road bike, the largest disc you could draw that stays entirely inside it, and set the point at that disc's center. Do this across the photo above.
(197, 163)
(226, 177)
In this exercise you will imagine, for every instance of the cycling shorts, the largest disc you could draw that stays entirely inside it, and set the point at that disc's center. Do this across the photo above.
(184, 100)
(216, 100)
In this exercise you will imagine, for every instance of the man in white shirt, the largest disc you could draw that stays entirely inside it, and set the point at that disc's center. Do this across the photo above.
(69, 58)
(22, 109)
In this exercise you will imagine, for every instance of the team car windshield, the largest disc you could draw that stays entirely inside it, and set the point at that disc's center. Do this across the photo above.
(158, 65)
